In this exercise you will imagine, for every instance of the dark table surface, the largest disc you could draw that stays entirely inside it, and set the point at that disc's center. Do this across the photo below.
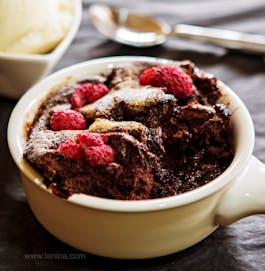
(240, 246)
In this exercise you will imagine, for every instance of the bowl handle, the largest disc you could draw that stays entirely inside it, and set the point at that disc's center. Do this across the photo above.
(246, 196)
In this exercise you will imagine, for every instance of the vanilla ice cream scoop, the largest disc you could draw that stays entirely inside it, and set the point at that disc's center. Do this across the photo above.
(33, 26)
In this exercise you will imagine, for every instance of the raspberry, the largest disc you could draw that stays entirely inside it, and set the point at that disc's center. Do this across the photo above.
(89, 146)
(78, 99)
(88, 93)
(99, 155)
(67, 119)
(70, 149)
(91, 139)
(173, 78)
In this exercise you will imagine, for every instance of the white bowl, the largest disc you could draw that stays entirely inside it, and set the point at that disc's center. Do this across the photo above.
(144, 228)
(18, 72)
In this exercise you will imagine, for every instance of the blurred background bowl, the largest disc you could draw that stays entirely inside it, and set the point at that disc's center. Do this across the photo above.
(18, 72)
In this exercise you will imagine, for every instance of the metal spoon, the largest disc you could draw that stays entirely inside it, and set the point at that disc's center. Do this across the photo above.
(138, 30)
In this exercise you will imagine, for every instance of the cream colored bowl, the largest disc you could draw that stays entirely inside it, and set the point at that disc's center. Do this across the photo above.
(18, 72)
(145, 228)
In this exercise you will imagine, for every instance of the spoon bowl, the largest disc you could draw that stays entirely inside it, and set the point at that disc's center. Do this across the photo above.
(129, 28)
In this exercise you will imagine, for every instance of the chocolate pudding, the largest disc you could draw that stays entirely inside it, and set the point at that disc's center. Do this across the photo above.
(141, 131)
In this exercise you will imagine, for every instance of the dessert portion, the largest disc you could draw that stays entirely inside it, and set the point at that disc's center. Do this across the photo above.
(34, 26)
(141, 131)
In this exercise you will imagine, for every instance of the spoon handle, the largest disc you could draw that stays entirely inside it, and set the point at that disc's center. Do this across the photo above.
(225, 38)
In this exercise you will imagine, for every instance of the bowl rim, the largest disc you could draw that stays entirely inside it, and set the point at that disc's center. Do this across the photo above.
(37, 92)
(64, 43)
